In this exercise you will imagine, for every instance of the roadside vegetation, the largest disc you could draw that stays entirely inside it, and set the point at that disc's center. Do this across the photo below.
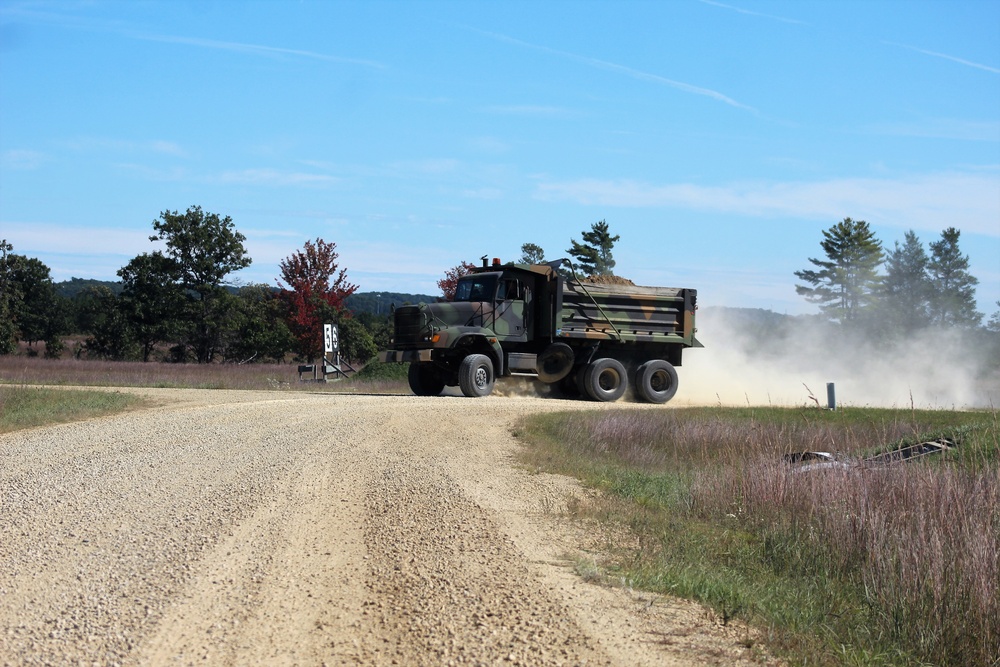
(857, 565)
(375, 377)
(27, 407)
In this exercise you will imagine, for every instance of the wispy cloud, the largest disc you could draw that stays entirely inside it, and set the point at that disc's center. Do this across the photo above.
(969, 201)
(254, 49)
(158, 146)
(275, 178)
(753, 13)
(536, 110)
(961, 61)
(22, 159)
(621, 69)
(943, 128)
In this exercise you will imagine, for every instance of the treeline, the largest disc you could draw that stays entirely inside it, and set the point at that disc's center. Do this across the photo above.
(174, 305)
(896, 292)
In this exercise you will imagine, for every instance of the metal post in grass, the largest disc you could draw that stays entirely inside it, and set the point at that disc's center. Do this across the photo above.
(831, 396)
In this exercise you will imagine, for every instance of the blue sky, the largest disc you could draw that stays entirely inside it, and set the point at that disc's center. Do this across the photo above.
(718, 139)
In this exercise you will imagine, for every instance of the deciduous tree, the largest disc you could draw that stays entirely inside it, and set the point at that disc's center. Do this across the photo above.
(313, 292)
(153, 301)
(847, 282)
(206, 248)
(10, 298)
(449, 283)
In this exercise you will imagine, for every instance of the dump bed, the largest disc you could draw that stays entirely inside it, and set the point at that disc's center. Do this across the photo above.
(629, 313)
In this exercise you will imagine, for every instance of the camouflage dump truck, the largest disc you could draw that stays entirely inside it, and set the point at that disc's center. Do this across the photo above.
(592, 339)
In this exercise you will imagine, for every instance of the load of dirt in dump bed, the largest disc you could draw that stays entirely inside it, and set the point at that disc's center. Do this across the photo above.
(607, 280)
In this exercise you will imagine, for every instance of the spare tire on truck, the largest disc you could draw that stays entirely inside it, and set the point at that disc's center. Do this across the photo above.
(554, 363)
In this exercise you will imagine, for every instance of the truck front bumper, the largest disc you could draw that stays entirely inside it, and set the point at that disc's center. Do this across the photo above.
(389, 356)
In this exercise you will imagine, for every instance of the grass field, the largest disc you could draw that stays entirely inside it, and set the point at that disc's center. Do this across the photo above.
(853, 565)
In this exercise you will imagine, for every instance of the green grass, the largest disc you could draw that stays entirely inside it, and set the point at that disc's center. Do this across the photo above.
(29, 407)
(895, 565)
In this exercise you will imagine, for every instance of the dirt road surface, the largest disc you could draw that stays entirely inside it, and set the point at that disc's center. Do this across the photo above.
(293, 528)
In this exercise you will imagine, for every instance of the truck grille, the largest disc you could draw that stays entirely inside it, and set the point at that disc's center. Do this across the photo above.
(410, 325)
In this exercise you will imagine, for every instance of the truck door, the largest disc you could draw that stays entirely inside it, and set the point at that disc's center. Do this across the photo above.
(513, 308)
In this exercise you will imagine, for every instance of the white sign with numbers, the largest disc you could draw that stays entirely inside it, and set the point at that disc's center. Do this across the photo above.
(331, 338)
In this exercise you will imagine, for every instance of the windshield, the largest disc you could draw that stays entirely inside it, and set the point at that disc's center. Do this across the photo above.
(476, 288)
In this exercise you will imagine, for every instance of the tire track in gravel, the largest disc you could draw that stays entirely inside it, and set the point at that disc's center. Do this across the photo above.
(234, 528)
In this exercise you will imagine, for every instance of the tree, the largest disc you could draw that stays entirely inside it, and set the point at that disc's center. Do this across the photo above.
(39, 315)
(153, 301)
(314, 295)
(994, 323)
(847, 282)
(260, 332)
(593, 256)
(906, 287)
(206, 249)
(532, 254)
(449, 283)
(101, 315)
(953, 296)
(10, 298)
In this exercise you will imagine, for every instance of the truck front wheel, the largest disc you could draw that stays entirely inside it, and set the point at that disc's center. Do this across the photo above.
(475, 375)
(656, 381)
(605, 380)
(424, 379)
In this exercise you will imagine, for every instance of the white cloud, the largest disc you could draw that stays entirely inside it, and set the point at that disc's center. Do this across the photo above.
(31, 236)
(970, 201)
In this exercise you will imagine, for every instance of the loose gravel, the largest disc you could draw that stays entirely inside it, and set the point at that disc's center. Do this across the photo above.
(237, 528)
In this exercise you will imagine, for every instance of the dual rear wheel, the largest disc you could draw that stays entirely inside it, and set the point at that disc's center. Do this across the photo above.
(606, 379)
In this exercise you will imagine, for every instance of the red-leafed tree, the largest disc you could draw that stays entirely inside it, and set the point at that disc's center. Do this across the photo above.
(450, 280)
(313, 293)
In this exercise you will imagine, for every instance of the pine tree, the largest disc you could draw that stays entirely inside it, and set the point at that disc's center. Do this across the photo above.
(906, 287)
(847, 283)
(593, 256)
(953, 299)
(532, 254)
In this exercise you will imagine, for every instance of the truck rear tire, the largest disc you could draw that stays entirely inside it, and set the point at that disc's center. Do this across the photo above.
(475, 375)
(656, 381)
(424, 379)
(605, 380)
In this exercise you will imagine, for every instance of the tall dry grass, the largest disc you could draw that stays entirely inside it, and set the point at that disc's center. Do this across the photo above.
(22, 369)
(904, 557)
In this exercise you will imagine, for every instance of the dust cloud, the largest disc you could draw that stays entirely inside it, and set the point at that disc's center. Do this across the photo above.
(762, 358)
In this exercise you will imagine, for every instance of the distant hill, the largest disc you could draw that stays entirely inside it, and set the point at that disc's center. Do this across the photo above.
(379, 303)
(72, 287)
(360, 302)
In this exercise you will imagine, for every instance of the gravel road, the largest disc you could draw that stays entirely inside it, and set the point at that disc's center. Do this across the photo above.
(295, 528)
